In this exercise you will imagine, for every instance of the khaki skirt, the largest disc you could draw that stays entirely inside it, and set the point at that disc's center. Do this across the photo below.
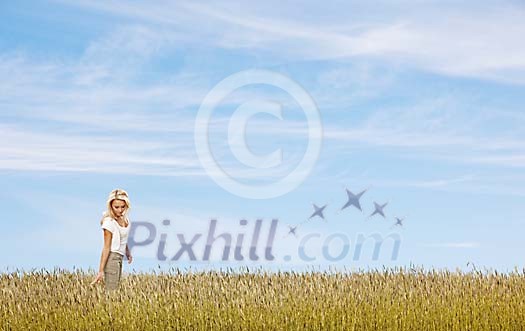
(113, 271)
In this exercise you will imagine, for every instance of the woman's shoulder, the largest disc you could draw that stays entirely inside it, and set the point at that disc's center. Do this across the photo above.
(108, 219)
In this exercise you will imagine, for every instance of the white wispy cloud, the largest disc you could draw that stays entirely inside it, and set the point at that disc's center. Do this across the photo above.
(429, 183)
(98, 103)
(482, 43)
(455, 245)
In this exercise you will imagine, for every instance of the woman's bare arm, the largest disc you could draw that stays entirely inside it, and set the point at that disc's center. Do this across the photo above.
(105, 250)
(128, 254)
(104, 257)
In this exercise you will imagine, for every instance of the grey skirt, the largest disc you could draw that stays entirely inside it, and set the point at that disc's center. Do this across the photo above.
(113, 271)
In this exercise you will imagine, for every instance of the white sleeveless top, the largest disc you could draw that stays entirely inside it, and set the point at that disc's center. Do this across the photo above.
(119, 239)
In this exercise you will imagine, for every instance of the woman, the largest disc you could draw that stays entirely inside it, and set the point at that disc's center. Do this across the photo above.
(115, 225)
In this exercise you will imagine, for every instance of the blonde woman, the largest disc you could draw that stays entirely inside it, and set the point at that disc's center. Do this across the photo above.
(115, 225)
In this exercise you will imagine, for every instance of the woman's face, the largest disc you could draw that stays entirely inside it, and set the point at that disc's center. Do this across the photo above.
(119, 207)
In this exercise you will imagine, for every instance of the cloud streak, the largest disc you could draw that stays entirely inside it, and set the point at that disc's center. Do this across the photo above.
(71, 115)
(483, 43)
(458, 245)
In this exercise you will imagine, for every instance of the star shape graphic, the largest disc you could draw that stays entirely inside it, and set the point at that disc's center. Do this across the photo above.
(318, 211)
(379, 209)
(353, 200)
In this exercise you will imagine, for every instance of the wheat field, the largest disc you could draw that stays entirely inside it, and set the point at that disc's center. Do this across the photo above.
(399, 299)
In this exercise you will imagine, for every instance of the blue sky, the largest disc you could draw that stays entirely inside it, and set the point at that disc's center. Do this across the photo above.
(421, 104)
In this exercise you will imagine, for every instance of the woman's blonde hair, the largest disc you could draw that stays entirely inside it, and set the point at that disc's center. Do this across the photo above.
(117, 194)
